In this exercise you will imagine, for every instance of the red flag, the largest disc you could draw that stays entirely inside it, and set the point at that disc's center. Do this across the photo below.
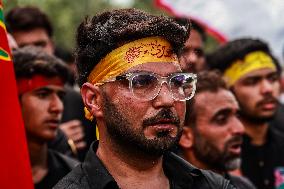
(15, 171)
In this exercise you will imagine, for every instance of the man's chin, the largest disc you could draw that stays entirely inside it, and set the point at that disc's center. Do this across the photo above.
(159, 145)
(263, 117)
(233, 164)
(266, 117)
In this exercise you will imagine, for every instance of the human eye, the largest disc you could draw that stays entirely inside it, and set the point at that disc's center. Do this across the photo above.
(42, 94)
(199, 52)
(40, 44)
(143, 80)
(177, 81)
(181, 81)
(222, 117)
(251, 81)
(273, 77)
(238, 114)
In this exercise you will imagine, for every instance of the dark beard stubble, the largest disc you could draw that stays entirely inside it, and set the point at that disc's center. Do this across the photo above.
(133, 139)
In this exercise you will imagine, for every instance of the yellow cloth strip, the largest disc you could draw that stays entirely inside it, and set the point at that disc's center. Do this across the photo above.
(2, 25)
(253, 61)
(145, 50)
(150, 49)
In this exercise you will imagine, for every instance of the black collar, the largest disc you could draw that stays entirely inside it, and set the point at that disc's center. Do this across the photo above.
(179, 172)
(98, 176)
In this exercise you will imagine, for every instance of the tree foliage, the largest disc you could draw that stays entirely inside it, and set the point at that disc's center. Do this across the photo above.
(67, 14)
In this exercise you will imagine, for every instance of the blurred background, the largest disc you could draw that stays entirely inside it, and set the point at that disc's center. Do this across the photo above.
(223, 19)
(66, 15)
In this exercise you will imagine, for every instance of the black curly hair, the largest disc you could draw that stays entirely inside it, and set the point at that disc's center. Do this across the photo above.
(194, 25)
(29, 61)
(98, 36)
(225, 55)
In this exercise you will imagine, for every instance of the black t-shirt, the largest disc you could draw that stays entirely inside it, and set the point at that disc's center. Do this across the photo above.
(278, 120)
(240, 182)
(58, 167)
(92, 174)
(259, 163)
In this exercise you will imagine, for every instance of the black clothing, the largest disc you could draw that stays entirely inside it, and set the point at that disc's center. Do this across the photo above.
(58, 166)
(92, 174)
(277, 123)
(61, 145)
(240, 182)
(259, 162)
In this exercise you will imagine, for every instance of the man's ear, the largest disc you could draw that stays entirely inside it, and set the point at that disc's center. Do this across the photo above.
(186, 140)
(92, 99)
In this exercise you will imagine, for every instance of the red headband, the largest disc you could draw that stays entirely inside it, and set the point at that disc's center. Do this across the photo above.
(25, 85)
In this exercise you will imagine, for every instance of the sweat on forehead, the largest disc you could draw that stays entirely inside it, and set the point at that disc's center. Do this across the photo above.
(107, 31)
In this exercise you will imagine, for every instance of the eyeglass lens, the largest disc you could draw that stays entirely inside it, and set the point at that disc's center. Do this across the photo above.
(147, 86)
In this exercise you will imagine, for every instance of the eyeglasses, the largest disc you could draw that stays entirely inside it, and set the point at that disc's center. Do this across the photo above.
(146, 86)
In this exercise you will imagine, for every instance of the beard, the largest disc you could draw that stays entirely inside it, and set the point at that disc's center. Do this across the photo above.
(253, 117)
(128, 138)
(212, 157)
(256, 118)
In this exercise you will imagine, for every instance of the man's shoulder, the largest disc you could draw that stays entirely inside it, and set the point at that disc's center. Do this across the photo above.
(64, 160)
(241, 182)
(201, 178)
(217, 181)
(76, 179)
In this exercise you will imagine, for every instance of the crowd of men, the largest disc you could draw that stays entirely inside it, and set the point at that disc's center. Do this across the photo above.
(153, 111)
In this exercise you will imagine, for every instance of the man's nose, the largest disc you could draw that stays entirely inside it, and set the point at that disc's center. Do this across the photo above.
(56, 104)
(164, 97)
(237, 127)
(266, 86)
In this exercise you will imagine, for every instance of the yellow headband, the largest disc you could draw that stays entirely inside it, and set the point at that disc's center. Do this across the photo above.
(252, 61)
(145, 50)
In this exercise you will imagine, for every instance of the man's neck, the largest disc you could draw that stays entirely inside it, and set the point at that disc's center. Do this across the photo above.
(256, 131)
(38, 159)
(132, 170)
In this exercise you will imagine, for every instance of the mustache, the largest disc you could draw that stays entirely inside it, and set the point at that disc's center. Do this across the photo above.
(267, 99)
(235, 140)
(164, 116)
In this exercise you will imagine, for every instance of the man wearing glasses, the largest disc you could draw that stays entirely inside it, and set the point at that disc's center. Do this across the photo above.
(132, 84)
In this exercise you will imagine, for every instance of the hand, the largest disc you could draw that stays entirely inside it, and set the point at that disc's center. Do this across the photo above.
(75, 133)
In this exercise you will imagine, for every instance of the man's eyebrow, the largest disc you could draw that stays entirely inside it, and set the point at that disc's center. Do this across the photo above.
(23, 44)
(47, 89)
(39, 42)
(272, 74)
(262, 76)
(223, 111)
(43, 89)
(253, 77)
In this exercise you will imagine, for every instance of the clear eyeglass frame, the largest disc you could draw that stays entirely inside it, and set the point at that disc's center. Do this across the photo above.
(161, 80)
